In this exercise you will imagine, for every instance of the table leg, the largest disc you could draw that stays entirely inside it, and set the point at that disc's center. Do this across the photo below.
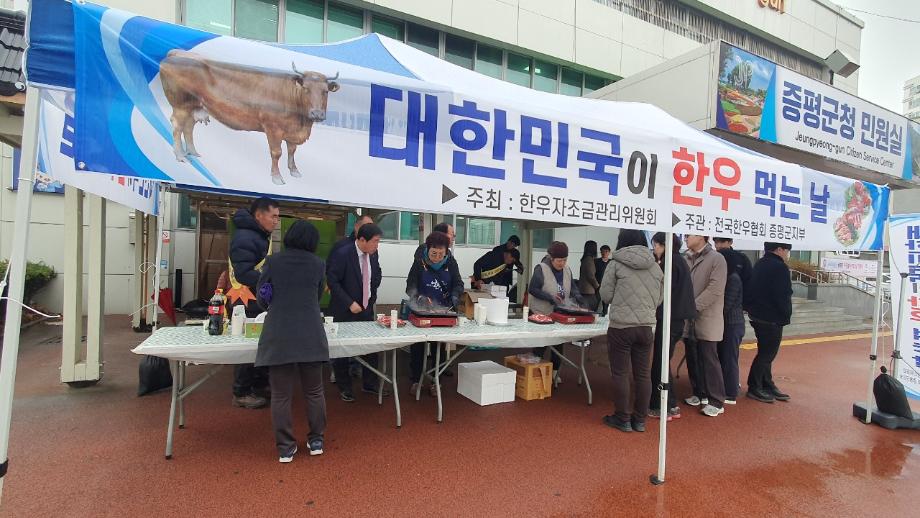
(396, 392)
(580, 368)
(437, 381)
(182, 366)
(421, 377)
(172, 409)
(582, 371)
(383, 368)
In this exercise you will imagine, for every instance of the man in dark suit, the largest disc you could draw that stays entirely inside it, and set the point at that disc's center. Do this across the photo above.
(350, 238)
(353, 276)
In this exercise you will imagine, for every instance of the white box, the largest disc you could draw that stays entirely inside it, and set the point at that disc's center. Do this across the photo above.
(486, 383)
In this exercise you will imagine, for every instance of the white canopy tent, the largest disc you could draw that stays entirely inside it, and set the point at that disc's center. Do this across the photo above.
(381, 124)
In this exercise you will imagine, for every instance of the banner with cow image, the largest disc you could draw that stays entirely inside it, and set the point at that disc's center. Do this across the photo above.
(372, 122)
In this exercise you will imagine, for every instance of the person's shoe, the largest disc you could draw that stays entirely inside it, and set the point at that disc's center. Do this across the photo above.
(614, 422)
(654, 413)
(289, 456)
(316, 447)
(712, 411)
(637, 425)
(555, 379)
(373, 390)
(704, 401)
(347, 396)
(250, 401)
(759, 395)
(730, 401)
(778, 395)
(674, 413)
(693, 401)
(263, 392)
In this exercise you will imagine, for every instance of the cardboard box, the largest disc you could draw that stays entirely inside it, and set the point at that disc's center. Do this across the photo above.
(486, 383)
(533, 380)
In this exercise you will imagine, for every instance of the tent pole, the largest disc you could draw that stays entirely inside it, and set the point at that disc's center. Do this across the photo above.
(159, 257)
(72, 342)
(876, 320)
(896, 351)
(95, 311)
(17, 266)
(658, 479)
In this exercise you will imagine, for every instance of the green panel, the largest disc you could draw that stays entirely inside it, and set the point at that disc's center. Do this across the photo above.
(327, 238)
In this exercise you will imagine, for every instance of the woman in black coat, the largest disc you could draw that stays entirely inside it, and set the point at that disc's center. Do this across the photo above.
(293, 342)
(683, 307)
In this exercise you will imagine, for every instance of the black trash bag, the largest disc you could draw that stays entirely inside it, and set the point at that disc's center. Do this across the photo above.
(153, 374)
(890, 397)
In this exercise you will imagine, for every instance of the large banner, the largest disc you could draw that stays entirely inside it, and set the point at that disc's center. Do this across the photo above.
(374, 122)
(760, 99)
(904, 234)
(56, 164)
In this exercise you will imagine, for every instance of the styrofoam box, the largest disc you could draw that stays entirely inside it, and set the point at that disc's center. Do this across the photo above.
(486, 383)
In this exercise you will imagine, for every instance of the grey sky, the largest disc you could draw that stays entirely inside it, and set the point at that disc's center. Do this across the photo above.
(889, 55)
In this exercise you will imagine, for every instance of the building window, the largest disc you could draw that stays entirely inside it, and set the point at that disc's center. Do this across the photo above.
(542, 238)
(390, 28)
(210, 15)
(389, 223)
(424, 39)
(256, 19)
(518, 71)
(344, 23)
(488, 61)
(545, 76)
(459, 51)
(408, 226)
(593, 83)
(480, 231)
(187, 214)
(303, 21)
(571, 82)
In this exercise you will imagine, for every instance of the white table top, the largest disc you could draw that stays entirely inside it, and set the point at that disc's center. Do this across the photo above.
(194, 344)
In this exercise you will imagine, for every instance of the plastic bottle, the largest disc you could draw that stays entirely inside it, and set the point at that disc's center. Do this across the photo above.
(216, 313)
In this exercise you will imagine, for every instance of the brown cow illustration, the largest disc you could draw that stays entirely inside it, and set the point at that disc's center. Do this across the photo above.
(283, 105)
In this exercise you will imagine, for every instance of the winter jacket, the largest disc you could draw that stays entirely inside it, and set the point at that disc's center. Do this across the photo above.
(683, 305)
(293, 331)
(708, 273)
(632, 286)
(587, 277)
(771, 291)
(418, 268)
(491, 269)
(734, 294)
(545, 285)
(248, 247)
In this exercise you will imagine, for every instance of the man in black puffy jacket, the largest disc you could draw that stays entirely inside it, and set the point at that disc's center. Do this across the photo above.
(248, 250)
(770, 308)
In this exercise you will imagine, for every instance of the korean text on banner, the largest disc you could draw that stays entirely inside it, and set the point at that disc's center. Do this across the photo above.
(56, 164)
(184, 106)
(905, 258)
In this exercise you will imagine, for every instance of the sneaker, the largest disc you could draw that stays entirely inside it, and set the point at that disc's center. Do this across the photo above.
(613, 422)
(250, 401)
(316, 447)
(373, 390)
(730, 401)
(759, 395)
(347, 396)
(704, 401)
(263, 392)
(654, 413)
(555, 378)
(637, 425)
(693, 401)
(289, 456)
(712, 411)
(779, 396)
(674, 413)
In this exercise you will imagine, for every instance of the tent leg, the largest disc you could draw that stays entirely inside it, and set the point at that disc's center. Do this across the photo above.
(96, 292)
(72, 343)
(17, 273)
(658, 478)
(137, 319)
(158, 243)
(153, 266)
(876, 320)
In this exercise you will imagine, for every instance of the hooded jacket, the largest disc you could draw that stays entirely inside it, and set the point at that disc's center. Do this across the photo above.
(771, 291)
(247, 249)
(632, 286)
(708, 274)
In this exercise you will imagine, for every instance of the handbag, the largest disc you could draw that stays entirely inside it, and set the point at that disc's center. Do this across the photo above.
(265, 293)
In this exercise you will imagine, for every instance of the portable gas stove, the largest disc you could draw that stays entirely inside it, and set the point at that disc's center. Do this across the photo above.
(571, 315)
(432, 321)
